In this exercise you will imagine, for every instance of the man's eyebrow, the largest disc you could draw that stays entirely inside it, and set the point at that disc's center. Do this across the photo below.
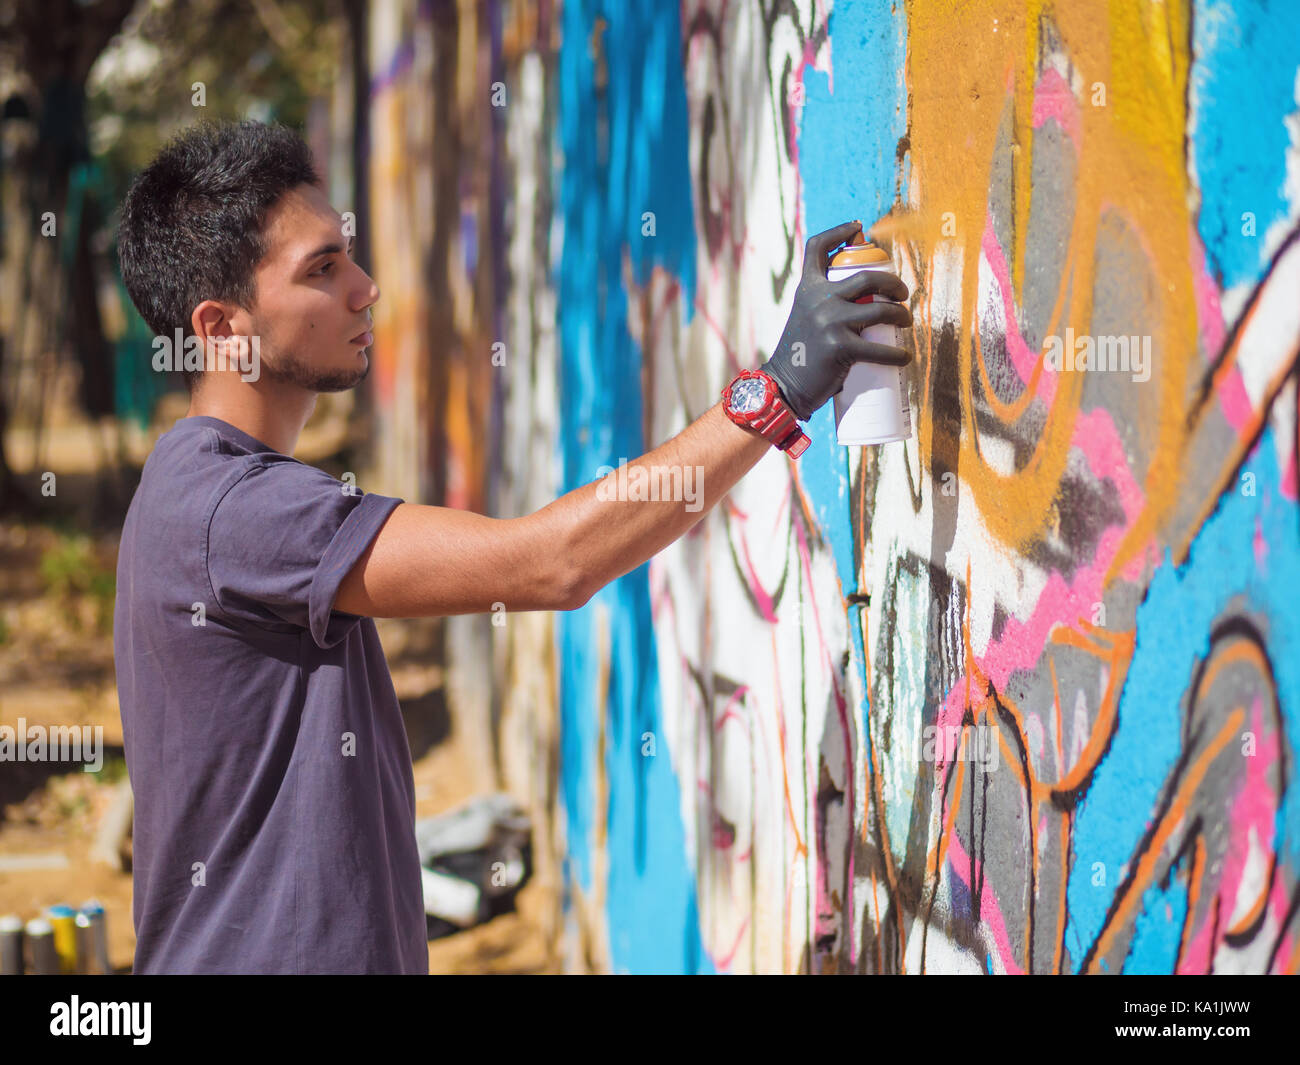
(331, 248)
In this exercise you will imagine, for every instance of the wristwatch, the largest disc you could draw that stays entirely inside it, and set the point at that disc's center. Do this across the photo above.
(753, 401)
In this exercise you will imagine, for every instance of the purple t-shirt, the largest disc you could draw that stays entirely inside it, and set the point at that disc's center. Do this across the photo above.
(263, 736)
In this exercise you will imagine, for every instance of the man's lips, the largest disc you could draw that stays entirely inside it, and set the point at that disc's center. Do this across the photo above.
(364, 339)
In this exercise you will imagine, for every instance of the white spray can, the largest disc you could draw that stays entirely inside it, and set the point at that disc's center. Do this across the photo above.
(872, 407)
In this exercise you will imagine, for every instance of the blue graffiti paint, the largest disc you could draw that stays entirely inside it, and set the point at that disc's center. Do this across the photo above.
(1158, 930)
(839, 184)
(1244, 88)
(625, 172)
(848, 141)
(1173, 627)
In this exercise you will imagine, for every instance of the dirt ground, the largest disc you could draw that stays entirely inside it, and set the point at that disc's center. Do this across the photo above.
(56, 666)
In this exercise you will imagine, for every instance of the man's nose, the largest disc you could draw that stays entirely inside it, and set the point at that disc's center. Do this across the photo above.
(370, 290)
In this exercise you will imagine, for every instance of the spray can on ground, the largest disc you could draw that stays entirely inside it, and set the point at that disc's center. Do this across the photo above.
(92, 939)
(872, 407)
(11, 945)
(63, 919)
(40, 941)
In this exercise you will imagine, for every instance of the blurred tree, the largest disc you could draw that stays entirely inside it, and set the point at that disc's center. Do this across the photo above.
(50, 46)
(265, 59)
(105, 86)
(175, 64)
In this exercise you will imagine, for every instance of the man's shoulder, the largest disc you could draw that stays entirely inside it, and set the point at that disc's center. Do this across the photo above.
(195, 456)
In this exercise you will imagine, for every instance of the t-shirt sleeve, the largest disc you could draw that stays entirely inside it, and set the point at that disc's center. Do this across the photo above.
(281, 540)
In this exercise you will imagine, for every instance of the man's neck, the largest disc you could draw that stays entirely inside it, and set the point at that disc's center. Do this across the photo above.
(278, 427)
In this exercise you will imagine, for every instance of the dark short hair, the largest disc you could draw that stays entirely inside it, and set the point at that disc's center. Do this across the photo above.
(193, 220)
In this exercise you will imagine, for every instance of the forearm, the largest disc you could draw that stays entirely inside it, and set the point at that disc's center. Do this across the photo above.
(435, 561)
(612, 525)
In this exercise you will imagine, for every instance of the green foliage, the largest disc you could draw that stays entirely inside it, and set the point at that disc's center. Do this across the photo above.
(135, 105)
(71, 570)
(72, 805)
(113, 769)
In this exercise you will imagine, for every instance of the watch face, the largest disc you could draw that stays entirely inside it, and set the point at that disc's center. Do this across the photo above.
(748, 395)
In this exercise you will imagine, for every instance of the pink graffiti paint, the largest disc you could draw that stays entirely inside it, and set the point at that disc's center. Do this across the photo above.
(1233, 399)
(762, 598)
(723, 961)
(960, 863)
(1209, 311)
(1259, 544)
(807, 59)
(719, 333)
(1054, 100)
(1023, 359)
(842, 715)
(1253, 808)
(1097, 438)
(1021, 644)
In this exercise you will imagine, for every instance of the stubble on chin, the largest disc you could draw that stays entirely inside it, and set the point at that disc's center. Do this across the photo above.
(289, 370)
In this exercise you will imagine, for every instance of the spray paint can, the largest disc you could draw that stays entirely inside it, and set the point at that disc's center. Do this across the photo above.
(85, 964)
(63, 919)
(92, 938)
(40, 940)
(872, 407)
(11, 945)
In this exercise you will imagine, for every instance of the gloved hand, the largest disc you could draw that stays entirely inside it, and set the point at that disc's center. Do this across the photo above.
(826, 321)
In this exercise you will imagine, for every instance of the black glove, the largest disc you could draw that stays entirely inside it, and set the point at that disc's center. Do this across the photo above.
(826, 321)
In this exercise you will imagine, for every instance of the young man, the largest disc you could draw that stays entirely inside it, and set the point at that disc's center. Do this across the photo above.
(274, 799)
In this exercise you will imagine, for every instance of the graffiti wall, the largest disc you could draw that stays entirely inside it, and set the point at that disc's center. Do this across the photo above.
(1020, 694)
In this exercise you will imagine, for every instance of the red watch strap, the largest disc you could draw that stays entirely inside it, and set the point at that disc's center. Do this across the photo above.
(776, 422)
(795, 444)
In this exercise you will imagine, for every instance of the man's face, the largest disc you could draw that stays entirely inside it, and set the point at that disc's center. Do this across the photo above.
(312, 299)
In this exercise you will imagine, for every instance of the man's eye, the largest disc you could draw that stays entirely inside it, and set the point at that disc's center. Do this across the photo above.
(325, 268)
